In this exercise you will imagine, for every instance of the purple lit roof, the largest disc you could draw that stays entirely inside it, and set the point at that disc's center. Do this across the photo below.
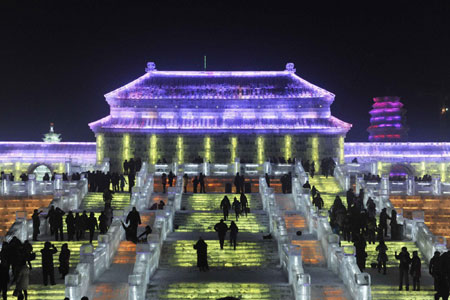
(41, 152)
(219, 85)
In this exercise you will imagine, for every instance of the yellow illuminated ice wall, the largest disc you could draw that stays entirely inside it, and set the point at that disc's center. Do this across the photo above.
(315, 148)
(207, 143)
(100, 147)
(180, 149)
(260, 148)
(287, 146)
(153, 149)
(233, 149)
(126, 154)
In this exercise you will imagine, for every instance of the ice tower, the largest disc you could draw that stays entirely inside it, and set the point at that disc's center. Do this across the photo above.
(388, 120)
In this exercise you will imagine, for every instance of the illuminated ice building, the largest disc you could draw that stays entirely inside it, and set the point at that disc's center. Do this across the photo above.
(219, 116)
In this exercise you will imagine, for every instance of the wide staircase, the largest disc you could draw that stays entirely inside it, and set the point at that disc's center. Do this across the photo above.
(384, 287)
(251, 271)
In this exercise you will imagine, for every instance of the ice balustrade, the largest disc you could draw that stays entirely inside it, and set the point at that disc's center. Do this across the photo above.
(147, 255)
(67, 199)
(290, 255)
(96, 261)
(414, 228)
(341, 260)
(216, 169)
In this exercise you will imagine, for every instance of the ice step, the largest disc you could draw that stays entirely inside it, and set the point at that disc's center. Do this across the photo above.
(328, 188)
(205, 221)
(212, 201)
(216, 290)
(181, 253)
(94, 201)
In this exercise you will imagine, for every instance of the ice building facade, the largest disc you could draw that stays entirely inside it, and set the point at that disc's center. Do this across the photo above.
(219, 116)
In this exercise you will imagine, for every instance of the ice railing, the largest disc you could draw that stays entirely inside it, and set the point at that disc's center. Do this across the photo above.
(414, 228)
(341, 260)
(94, 262)
(67, 197)
(216, 169)
(32, 187)
(147, 255)
(290, 255)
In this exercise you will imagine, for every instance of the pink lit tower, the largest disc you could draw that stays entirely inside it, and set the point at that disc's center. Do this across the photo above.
(388, 120)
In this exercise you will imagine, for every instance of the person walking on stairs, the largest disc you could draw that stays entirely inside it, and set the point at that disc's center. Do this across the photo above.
(47, 263)
(267, 179)
(123, 181)
(225, 205)
(92, 225)
(164, 181)
(4, 278)
(383, 221)
(244, 204)
(416, 271)
(405, 261)
(233, 234)
(237, 208)
(171, 176)
(318, 201)
(36, 223)
(202, 255)
(22, 282)
(382, 256)
(221, 228)
(102, 226)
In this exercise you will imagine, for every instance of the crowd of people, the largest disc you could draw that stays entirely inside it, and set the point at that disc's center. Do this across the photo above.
(77, 224)
(326, 167)
(17, 257)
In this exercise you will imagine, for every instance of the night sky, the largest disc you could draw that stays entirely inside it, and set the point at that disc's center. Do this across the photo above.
(58, 59)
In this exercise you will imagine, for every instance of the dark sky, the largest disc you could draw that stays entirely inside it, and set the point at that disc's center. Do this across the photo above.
(58, 59)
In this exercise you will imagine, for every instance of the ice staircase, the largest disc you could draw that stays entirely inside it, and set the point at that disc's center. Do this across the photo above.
(384, 287)
(94, 201)
(250, 272)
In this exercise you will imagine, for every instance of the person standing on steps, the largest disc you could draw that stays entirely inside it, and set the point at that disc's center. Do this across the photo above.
(64, 258)
(185, 182)
(434, 267)
(221, 228)
(47, 263)
(383, 221)
(318, 201)
(195, 184)
(225, 205)
(123, 181)
(70, 224)
(164, 181)
(51, 219)
(22, 282)
(237, 208)
(237, 183)
(92, 225)
(416, 271)
(202, 255)
(405, 261)
(233, 234)
(36, 223)
(134, 219)
(382, 256)
(58, 223)
(103, 227)
(171, 176)
(244, 204)
(4, 278)
(201, 180)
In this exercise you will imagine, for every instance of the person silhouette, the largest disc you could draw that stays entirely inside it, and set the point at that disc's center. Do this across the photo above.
(221, 228)
(233, 234)
(202, 254)
(225, 206)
